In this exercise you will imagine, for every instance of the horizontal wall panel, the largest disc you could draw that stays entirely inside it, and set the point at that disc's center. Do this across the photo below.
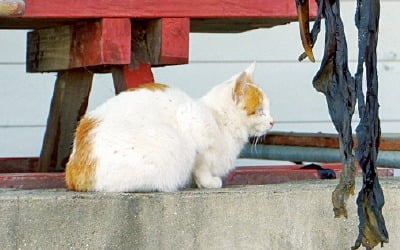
(293, 98)
(21, 141)
(27, 141)
(12, 46)
(25, 98)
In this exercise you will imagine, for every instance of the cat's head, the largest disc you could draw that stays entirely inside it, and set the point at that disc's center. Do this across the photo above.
(249, 97)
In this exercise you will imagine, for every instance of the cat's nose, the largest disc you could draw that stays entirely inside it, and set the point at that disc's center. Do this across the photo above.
(271, 123)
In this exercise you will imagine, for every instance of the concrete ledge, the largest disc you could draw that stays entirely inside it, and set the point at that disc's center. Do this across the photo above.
(282, 216)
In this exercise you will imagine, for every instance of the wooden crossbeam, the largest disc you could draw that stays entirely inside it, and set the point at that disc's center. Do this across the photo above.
(84, 44)
(109, 41)
(159, 9)
(131, 76)
(228, 16)
(159, 42)
(69, 103)
(174, 43)
(320, 140)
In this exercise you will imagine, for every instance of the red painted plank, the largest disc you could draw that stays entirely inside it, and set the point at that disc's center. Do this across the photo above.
(131, 76)
(160, 42)
(115, 40)
(174, 41)
(239, 176)
(32, 180)
(83, 44)
(258, 175)
(280, 174)
(164, 8)
(19, 165)
(135, 76)
(107, 41)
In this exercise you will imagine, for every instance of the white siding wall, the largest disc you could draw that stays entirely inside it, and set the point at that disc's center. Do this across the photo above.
(296, 106)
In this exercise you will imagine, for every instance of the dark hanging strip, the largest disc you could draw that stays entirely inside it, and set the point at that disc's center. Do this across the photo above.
(342, 91)
(335, 81)
(372, 229)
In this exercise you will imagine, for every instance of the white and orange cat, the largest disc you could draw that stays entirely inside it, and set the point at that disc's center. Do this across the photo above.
(156, 138)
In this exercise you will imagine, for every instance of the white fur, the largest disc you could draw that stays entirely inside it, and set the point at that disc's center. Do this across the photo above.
(156, 140)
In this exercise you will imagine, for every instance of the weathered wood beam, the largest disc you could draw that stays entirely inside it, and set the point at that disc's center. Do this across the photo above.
(131, 76)
(321, 140)
(12, 8)
(229, 16)
(160, 42)
(170, 41)
(84, 44)
(69, 103)
(155, 42)
(109, 41)
(159, 9)
(19, 165)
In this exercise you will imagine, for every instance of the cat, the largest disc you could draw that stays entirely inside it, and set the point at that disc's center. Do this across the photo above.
(157, 138)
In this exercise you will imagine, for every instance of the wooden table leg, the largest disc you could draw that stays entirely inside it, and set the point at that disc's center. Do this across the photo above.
(156, 42)
(69, 103)
(127, 76)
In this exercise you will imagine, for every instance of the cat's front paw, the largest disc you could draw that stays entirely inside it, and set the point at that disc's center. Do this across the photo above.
(212, 182)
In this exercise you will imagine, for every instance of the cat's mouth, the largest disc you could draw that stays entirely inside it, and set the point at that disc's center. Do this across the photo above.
(271, 125)
(262, 129)
(261, 133)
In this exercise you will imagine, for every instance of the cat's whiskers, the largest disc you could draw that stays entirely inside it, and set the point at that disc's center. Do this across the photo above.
(254, 143)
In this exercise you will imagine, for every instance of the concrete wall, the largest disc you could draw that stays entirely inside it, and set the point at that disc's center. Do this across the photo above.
(25, 98)
(284, 216)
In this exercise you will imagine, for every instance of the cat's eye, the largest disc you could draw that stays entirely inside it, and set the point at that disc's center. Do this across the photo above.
(260, 111)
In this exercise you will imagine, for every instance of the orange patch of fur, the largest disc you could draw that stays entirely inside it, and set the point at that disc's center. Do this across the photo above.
(150, 86)
(80, 170)
(251, 96)
(253, 99)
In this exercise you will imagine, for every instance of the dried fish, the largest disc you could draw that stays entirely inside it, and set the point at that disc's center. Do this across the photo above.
(342, 91)
(335, 81)
(302, 8)
(372, 229)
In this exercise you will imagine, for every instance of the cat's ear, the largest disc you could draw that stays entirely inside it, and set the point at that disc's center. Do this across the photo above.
(240, 87)
(250, 72)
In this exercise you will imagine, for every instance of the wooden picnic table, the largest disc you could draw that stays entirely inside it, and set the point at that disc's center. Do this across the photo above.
(77, 39)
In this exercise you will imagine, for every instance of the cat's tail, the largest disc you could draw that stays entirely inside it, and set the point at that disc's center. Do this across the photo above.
(81, 167)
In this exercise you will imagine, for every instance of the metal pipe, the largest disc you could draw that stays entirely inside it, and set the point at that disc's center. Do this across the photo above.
(390, 159)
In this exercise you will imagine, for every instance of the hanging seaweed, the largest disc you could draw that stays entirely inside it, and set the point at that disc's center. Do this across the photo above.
(335, 81)
(372, 229)
(342, 91)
